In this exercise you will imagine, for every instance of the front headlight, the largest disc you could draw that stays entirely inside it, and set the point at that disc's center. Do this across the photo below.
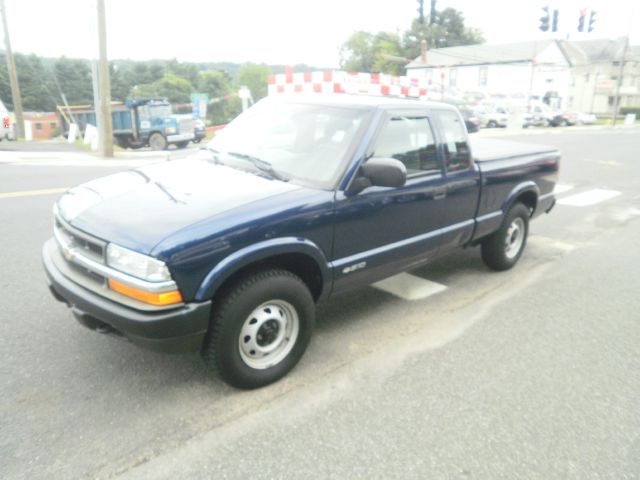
(136, 264)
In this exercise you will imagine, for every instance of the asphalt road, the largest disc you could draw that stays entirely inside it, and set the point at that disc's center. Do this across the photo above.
(528, 374)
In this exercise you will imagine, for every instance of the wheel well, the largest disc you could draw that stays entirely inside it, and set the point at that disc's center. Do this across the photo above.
(299, 264)
(529, 199)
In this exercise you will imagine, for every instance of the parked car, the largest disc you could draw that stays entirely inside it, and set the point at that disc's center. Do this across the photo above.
(298, 199)
(540, 115)
(585, 118)
(493, 117)
(565, 119)
(471, 120)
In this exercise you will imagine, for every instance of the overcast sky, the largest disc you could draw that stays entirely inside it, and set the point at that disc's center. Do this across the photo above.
(275, 31)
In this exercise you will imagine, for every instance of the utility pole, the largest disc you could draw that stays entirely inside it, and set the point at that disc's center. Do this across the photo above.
(105, 134)
(616, 105)
(13, 77)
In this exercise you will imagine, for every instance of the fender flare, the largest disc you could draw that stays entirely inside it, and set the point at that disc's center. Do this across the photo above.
(528, 186)
(261, 251)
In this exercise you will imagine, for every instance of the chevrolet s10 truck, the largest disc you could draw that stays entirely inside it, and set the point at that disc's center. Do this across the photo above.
(298, 199)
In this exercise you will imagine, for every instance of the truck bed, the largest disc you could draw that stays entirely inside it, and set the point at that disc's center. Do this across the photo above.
(489, 149)
(505, 165)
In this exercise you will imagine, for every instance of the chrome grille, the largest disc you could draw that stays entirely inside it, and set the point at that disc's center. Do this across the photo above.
(187, 125)
(84, 244)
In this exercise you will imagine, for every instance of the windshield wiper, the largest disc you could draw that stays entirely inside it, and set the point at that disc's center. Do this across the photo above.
(215, 154)
(260, 164)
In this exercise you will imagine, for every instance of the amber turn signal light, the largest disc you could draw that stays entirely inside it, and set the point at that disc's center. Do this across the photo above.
(161, 299)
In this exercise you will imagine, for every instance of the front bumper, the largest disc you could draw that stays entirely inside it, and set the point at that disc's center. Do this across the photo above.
(181, 137)
(170, 331)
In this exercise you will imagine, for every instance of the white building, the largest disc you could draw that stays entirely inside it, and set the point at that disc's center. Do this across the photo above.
(578, 75)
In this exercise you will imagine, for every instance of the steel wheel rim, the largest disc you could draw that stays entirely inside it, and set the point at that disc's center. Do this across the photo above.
(268, 334)
(156, 142)
(514, 239)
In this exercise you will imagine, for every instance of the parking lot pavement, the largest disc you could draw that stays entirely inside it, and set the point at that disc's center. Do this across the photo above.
(450, 371)
(506, 132)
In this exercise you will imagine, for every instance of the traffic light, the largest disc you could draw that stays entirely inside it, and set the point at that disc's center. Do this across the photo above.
(554, 23)
(592, 20)
(583, 13)
(421, 11)
(544, 19)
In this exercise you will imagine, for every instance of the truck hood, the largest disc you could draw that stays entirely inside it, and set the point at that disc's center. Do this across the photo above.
(139, 208)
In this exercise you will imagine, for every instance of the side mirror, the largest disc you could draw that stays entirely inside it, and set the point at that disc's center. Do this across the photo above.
(385, 172)
(380, 172)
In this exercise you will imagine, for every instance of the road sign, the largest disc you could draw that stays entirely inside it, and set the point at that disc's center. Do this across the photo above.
(199, 103)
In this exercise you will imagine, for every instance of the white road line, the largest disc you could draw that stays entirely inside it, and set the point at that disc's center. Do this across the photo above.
(561, 188)
(551, 243)
(590, 197)
(409, 287)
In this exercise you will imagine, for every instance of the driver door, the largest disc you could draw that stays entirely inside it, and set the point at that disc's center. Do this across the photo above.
(381, 231)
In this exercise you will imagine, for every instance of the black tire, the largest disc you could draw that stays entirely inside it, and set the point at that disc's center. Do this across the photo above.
(499, 252)
(157, 141)
(121, 141)
(492, 124)
(182, 144)
(236, 310)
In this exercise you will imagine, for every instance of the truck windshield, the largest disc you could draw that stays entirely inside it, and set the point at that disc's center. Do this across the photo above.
(159, 111)
(304, 143)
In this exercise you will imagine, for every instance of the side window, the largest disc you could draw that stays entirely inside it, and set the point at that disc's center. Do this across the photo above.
(456, 148)
(410, 140)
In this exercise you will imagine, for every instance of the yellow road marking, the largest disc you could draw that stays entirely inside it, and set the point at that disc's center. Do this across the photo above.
(33, 193)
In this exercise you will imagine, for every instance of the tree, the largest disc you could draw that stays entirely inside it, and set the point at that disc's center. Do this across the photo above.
(74, 78)
(188, 71)
(254, 76)
(36, 84)
(358, 53)
(218, 84)
(367, 52)
(174, 88)
(215, 83)
(447, 31)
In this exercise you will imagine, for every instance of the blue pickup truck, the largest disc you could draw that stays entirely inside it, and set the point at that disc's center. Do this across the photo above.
(298, 199)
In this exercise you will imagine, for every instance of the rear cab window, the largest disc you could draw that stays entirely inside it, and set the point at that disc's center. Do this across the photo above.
(457, 154)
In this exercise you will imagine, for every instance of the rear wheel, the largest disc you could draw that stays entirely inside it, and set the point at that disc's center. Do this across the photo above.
(157, 141)
(260, 328)
(503, 249)
(121, 141)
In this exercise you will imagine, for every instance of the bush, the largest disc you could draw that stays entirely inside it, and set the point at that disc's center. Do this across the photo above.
(626, 110)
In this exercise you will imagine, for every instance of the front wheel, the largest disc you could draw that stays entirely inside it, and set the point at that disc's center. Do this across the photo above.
(502, 249)
(157, 141)
(260, 328)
